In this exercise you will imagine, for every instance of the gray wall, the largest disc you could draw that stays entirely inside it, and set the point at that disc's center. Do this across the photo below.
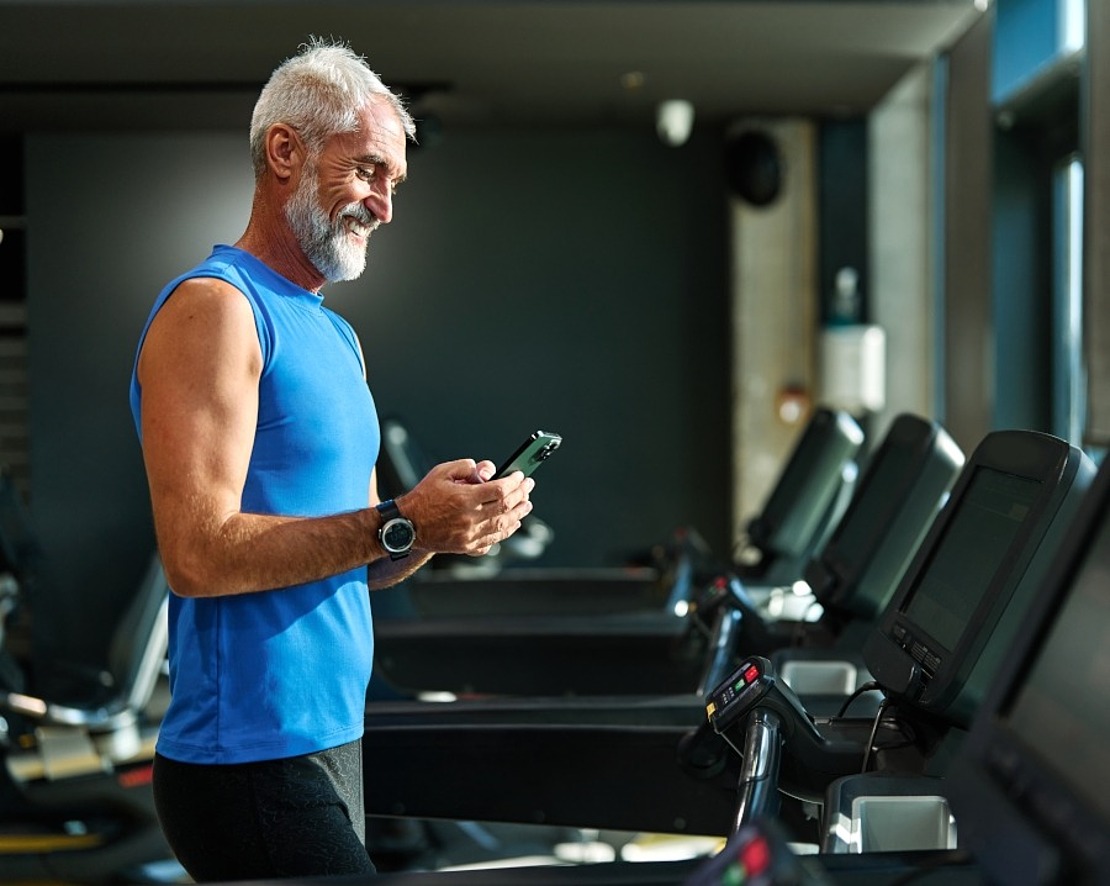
(572, 281)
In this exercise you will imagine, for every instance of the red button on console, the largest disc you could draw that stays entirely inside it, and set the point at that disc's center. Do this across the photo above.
(756, 856)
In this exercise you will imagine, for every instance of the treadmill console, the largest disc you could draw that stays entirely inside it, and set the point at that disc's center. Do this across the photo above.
(896, 499)
(803, 501)
(966, 593)
(749, 685)
(753, 697)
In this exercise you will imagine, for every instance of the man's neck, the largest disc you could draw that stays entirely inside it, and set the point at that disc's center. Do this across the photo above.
(269, 239)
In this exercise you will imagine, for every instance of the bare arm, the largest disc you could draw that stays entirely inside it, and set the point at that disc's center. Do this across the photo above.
(199, 371)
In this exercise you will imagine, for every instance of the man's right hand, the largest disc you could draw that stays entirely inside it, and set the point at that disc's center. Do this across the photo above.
(457, 510)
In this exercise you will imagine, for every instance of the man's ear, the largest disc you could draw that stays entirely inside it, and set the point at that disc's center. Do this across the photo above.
(284, 150)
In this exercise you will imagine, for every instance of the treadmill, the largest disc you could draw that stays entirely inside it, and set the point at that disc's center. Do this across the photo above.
(853, 577)
(1030, 786)
(1009, 507)
(605, 648)
(902, 488)
(949, 627)
(916, 461)
(646, 769)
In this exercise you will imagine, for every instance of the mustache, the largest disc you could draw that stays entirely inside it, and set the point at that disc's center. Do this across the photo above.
(360, 214)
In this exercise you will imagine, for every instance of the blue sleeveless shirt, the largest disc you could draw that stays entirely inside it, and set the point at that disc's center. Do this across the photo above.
(281, 673)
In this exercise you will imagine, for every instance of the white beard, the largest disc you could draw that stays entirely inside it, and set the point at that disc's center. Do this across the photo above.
(327, 244)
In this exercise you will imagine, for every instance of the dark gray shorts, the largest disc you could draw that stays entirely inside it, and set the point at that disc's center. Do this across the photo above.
(300, 816)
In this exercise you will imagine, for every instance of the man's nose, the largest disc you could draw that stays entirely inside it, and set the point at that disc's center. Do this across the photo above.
(380, 206)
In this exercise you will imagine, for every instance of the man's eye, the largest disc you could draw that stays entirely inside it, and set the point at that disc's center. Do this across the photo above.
(366, 173)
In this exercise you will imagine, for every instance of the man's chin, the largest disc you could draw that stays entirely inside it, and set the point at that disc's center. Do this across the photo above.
(346, 273)
(343, 266)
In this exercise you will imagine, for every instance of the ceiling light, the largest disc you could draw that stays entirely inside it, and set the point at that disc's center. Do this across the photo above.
(674, 119)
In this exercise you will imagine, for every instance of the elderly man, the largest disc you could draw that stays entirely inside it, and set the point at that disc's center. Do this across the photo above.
(259, 437)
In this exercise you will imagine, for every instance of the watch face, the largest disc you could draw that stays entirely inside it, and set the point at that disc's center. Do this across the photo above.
(397, 535)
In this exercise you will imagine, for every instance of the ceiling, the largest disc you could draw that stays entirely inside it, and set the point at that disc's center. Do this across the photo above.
(151, 64)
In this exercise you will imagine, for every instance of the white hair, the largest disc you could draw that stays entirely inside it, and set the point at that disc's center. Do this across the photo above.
(319, 92)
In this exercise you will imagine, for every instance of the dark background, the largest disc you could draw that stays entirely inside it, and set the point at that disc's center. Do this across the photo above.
(575, 281)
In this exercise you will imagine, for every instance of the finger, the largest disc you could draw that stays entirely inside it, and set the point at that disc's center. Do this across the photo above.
(510, 490)
(521, 494)
(514, 507)
(507, 526)
(482, 473)
(462, 469)
(496, 492)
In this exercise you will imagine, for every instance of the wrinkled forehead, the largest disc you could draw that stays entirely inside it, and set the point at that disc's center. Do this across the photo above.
(380, 135)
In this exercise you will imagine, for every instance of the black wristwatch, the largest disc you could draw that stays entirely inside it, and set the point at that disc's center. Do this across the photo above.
(396, 533)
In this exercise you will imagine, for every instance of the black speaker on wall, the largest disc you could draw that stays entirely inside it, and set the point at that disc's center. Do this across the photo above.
(754, 167)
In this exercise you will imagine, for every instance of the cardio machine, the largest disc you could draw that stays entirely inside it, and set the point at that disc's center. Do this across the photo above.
(452, 752)
(645, 649)
(75, 784)
(1030, 783)
(936, 648)
(854, 575)
(639, 777)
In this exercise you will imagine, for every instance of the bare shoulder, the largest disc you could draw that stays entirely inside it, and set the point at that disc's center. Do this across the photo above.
(203, 318)
(206, 297)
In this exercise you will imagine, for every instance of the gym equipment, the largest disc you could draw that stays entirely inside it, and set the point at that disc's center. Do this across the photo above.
(853, 577)
(1029, 784)
(681, 648)
(1030, 788)
(75, 792)
(806, 501)
(604, 774)
(437, 760)
(949, 626)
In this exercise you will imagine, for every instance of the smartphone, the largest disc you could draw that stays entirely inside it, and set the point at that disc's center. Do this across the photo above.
(532, 453)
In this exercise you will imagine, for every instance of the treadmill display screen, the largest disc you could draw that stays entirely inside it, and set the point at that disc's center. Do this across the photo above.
(987, 519)
(798, 504)
(867, 518)
(1061, 708)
